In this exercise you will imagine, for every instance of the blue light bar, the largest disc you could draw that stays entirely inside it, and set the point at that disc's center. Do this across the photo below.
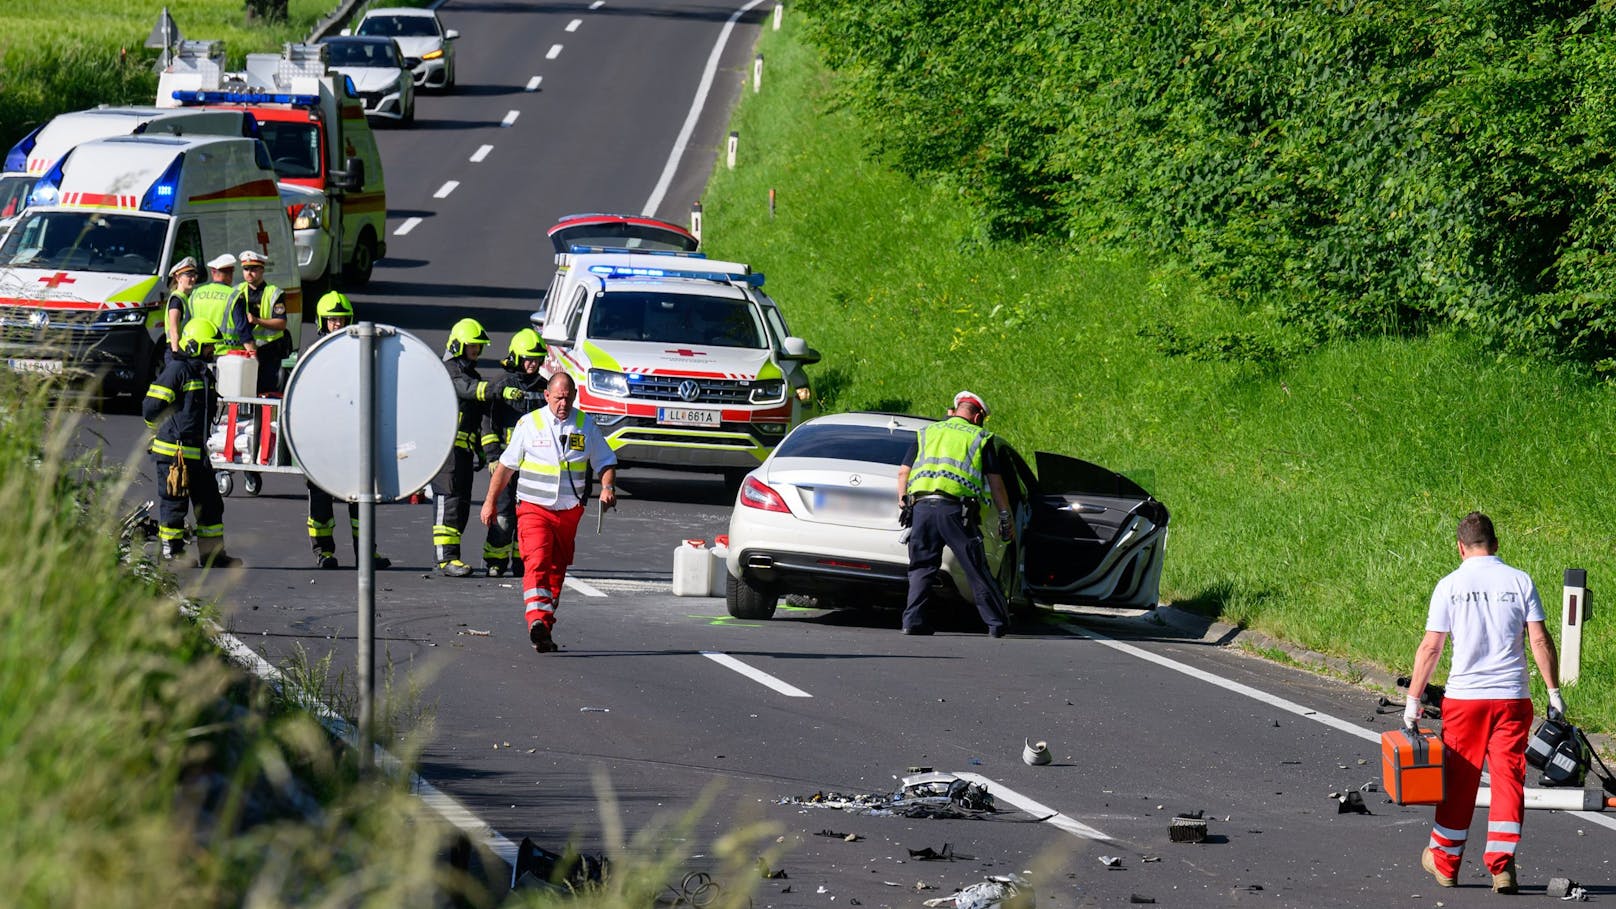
(633, 271)
(160, 197)
(583, 248)
(228, 97)
(49, 187)
(17, 160)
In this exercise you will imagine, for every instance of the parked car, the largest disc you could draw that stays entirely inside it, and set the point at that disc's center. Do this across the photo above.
(820, 517)
(381, 78)
(429, 48)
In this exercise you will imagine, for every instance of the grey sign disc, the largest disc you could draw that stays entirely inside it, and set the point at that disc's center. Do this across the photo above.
(414, 420)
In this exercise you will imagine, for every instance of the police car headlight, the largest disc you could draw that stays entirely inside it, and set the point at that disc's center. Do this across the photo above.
(606, 382)
(771, 391)
(311, 215)
(120, 317)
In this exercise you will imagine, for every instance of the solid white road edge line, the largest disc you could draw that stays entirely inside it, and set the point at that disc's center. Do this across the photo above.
(447, 188)
(408, 225)
(481, 153)
(1275, 700)
(444, 804)
(587, 590)
(510, 117)
(573, 25)
(756, 675)
(533, 83)
(689, 127)
(1037, 809)
(553, 52)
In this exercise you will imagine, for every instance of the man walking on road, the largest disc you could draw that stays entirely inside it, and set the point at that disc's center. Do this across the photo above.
(941, 483)
(1487, 713)
(551, 452)
(521, 391)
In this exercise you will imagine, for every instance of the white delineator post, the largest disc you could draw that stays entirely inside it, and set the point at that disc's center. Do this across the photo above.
(734, 146)
(1575, 612)
(757, 74)
(695, 219)
(779, 11)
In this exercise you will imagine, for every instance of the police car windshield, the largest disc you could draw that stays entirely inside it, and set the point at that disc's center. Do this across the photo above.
(14, 194)
(664, 318)
(294, 148)
(843, 442)
(86, 241)
(399, 27)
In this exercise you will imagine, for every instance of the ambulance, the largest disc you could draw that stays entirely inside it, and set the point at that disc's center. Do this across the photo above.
(319, 142)
(684, 361)
(42, 148)
(83, 271)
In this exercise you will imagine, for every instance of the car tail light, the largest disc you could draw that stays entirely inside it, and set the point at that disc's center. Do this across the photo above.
(757, 495)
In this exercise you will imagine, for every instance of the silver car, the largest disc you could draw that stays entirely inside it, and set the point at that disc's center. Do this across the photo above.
(429, 48)
(380, 77)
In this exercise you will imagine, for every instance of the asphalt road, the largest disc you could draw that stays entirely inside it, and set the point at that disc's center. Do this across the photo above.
(664, 694)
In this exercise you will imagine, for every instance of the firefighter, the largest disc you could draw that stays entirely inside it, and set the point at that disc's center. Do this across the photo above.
(219, 303)
(179, 406)
(524, 375)
(451, 488)
(551, 452)
(182, 280)
(265, 309)
(335, 313)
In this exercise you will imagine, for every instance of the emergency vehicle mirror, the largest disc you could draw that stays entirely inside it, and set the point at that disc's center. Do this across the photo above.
(451, 34)
(353, 176)
(798, 349)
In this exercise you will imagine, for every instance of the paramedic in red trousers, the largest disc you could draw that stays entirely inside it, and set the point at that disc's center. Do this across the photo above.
(523, 372)
(1487, 713)
(551, 452)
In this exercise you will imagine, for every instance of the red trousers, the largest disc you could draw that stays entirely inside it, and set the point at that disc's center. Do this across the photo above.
(1471, 731)
(546, 539)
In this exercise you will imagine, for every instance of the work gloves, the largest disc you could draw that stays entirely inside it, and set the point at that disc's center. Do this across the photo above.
(1556, 705)
(1411, 711)
(906, 512)
(513, 393)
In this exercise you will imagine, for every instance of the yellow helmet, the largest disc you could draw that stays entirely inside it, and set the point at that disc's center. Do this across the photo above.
(197, 334)
(465, 333)
(526, 345)
(334, 305)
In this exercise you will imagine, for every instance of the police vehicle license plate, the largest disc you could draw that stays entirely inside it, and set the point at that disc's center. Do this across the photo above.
(52, 367)
(684, 416)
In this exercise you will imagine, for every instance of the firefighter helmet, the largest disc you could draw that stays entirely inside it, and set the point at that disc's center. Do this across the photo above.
(465, 333)
(525, 345)
(197, 334)
(334, 305)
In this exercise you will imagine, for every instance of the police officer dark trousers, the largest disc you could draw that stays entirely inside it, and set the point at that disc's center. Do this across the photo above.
(179, 406)
(949, 473)
(451, 488)
(522, 390)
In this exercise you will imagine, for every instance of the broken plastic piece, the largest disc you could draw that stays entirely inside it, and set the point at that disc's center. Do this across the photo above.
(1111, 861)
(1187, 828)
(1136, 898)
(1352, 803)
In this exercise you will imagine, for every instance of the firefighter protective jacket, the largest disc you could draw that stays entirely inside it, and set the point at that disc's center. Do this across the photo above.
(501, 414)
(180, 406)
(473, 394)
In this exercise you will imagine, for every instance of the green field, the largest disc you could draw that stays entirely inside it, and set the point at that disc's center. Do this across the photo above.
(1314, 494)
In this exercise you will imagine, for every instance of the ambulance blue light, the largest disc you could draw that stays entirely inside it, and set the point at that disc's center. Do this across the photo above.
(49, 188)
(584, 248)
(634, 271)
(229, 97)
(160, 197)
(17, 160)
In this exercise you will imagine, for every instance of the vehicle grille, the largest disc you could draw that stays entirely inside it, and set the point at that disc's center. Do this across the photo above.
(709, 391)
(412, 62)
(17, 327)
(370, 99)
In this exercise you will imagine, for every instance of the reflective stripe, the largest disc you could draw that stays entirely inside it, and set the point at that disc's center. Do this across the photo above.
(496, 552)
(1451, 850)
(266, 310)
(490, 439)
(1449, 834)
(1504, 827)
(482, 391)
(169, 449)
(161, 393)
(1505, 846)
(949, 459)
(209, 531)
(540, 483)
(444, 535)
(170, 533)
(321, 528)
(194, 385)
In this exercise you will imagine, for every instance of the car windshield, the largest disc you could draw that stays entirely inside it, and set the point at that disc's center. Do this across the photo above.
(360, 53)
(14, 194)
(844, 442)
(294, 148)
(399, 26)
(669, 318)
(86, 241)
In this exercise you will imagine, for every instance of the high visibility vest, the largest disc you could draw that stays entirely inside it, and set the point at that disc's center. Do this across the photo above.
(540, 482)
(949, 460)
(212, 302)
(266, 310)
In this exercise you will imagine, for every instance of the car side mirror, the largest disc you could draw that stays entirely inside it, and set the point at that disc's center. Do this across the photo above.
(352, 178)
(538, 315)
(346, 31)
(798, 349)
(450, 35)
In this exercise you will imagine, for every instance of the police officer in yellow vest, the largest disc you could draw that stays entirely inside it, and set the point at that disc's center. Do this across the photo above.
(182, 279)
(218, 302)
(942, 483)
(265, 308)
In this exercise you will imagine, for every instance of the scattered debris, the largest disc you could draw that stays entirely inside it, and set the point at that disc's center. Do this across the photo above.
(1000, 892)
(1136, 898)
(926, 794)
(1188, 828)
(594, 710)
(1352, 803)
(948, 854)
(1035, 754)
(1151, 858)
(1111, 861)
(833, 834)
(539, 868)
(473, 632)
(1564, 888)
(696, 889)
(770, 875)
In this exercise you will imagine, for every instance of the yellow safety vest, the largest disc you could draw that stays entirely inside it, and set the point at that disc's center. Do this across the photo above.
(949, 460)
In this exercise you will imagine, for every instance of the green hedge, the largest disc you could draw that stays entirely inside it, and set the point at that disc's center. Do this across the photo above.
(1341, 168)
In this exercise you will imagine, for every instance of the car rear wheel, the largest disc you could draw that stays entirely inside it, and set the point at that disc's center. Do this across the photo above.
(747, 600)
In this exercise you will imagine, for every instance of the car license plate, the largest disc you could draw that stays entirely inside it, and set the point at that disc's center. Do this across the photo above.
(843, 503)
(50, 367)
(684, 416)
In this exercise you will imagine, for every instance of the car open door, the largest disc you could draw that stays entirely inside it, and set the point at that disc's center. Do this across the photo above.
(1092, 536)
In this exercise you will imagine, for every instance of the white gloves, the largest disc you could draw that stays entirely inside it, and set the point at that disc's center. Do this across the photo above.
(1411, 711)
(1556, 703)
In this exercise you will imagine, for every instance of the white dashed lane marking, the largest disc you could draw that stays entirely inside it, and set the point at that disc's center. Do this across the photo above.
(756, 675)
(510, 118)
(481, 153)
(597, 4)
(444, 190)
(554, 52)
(408, 225)
(533, 83)
(573, 25)
(587, 590)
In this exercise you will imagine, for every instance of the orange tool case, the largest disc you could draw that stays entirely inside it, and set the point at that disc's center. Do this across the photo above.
(1411, 766)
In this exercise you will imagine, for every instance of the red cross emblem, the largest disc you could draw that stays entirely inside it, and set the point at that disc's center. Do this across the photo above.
(683, 352)
(57, 280)
(263, 238)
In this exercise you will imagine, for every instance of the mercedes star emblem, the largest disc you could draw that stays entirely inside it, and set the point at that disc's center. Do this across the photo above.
(854, 480)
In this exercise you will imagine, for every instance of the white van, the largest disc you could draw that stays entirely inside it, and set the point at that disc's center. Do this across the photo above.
(83, 271)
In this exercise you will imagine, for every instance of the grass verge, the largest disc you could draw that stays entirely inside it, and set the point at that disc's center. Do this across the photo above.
(1313, 498)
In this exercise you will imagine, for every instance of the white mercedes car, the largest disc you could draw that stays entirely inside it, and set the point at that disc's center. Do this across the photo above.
(429, 48)
(376, 67)
(820, 517)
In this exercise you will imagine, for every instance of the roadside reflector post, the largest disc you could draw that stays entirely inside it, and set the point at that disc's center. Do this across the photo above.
(1575, 613)
(771, 202)
(757, 73)
(734, 146)
(779, 10)
(695, 220)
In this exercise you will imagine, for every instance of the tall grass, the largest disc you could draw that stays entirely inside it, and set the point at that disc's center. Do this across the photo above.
(1314, 498)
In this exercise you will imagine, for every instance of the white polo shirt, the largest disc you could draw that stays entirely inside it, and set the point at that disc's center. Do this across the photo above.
(541, 443)
(1484, 606)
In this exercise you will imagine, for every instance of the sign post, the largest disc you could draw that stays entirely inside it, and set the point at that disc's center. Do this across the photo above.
(1574, 613)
